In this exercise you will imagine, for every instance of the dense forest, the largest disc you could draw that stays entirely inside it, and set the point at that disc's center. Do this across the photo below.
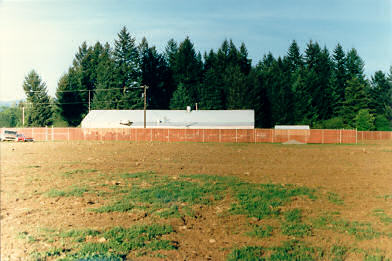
(315, 87)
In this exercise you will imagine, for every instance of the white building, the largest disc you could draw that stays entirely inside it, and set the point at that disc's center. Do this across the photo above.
(200, 119)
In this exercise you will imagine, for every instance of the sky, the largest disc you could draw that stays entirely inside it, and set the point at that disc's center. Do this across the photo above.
(44, 35)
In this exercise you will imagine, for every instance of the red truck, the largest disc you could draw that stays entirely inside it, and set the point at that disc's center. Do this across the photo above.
(23, 138)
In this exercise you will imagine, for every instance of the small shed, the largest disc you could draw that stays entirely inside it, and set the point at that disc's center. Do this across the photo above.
(197, 119)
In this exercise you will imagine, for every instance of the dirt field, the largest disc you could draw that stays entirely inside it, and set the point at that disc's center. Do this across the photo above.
(195, 201)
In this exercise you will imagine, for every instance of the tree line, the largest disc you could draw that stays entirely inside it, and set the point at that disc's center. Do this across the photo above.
(315, 87)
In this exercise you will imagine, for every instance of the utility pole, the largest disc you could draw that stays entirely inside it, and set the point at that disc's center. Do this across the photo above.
(23, 116)
(89, 98)
(145, 103)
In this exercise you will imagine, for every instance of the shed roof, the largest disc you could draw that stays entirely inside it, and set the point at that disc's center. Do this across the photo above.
(292, 127)
(200, 119)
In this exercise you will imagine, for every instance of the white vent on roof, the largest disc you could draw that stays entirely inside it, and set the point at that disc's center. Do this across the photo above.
(188, 108)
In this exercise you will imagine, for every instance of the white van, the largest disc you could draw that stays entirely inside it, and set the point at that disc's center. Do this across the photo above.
(8, 135)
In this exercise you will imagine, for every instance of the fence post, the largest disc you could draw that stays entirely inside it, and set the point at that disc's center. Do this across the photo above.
(136, 134)
(220, 138)
(340, 136)
(356, 136)
(52, 133)
(68, 134)
(254, 135)
(32, 132)
(151, 134)
(272, 135)
(168, 135)
(322, 136)
(236, 139)
(203, 136)
(46, 133)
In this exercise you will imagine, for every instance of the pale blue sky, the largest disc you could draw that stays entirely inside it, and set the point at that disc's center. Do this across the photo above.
(44, 34)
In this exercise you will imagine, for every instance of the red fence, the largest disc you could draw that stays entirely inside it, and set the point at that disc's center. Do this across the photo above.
(205, 135)
(374, 135)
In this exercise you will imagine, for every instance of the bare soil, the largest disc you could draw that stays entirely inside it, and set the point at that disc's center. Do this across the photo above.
(361, 175)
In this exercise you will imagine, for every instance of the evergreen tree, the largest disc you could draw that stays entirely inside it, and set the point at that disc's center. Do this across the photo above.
(70, 103)
(10, 116)
(381, 123)
(258, 97)
(355, 66)
(294, 58)
(364, 121)
(127, 72)
(76, 88)
(211, 96)
(380, 95)
(339, 78)
(238, 91)
(106, 95)
(156, 75)
(40, 112)
(181, 98)
(171, 53)
(303, 110)
(356, 99)
(279, 93)
(187, 69)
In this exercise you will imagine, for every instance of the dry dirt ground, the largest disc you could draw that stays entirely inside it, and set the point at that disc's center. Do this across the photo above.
(338, 206)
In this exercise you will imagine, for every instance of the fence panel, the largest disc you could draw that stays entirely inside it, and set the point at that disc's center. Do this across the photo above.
(203, 135)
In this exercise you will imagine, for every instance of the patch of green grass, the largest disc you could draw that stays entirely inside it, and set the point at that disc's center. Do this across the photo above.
(119, 206)
(261, 232)
(292, 225)
(173, 211)
(162, 194)
(359, 230)
(296, 229)
(115, 243)
(75, 191)
(25, 235)
(294, 215)
(290, 250)
(383, 217)
(264, 200)
(79, 235)
(251, 253)
(338, 253)
(376, 258)
(334, 198)
(295, 250)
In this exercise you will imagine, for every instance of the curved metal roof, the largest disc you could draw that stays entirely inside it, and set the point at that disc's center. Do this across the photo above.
(200, 119)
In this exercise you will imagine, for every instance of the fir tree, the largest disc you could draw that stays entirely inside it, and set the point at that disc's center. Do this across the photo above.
(106, 94)
(380, 95)
(127, 72)
(355, 66)
(187, 69)
(40, 111)
(356, 99)
(339, 78)
(294, 58)
(156, 75)
(181, 98)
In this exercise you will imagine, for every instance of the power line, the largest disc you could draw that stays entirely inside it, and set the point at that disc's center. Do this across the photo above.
(56, 103)
(86, 90)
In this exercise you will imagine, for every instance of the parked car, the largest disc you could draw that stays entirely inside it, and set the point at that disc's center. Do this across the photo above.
(8, 135)
(23, 138)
